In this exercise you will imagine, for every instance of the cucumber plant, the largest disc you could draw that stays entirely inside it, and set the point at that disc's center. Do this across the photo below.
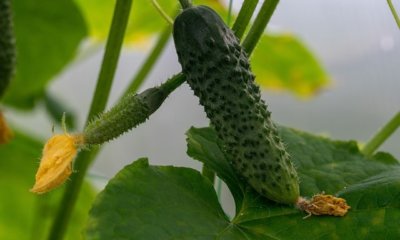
(274, 173)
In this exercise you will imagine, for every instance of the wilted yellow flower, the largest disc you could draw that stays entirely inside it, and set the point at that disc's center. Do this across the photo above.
(322, 204)
(56, 163)
(5, 132)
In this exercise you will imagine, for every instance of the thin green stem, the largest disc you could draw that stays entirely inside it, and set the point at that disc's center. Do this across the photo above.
(394, 13)
(185, 3)
(244, 17)
(162, 12)
(173, 83)
(262, 19)
(149, 63)
(99, 101)
(229, 17)
(38, 228)
(382, 135)
(111, 56)
(71, 193)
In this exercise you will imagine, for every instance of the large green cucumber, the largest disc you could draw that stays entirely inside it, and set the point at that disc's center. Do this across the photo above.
(218, 71)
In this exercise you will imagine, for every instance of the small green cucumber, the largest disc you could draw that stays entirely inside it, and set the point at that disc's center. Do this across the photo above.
(218, 71)
(131, 111)
(7, 46)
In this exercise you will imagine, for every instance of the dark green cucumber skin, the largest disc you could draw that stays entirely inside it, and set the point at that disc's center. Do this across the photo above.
(218, 71)
(7, 46)
(131, 111)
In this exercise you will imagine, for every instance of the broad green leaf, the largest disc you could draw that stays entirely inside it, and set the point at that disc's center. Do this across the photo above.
(144, 22)
(370, 188)
(150, 202)
(48, 34)
(283, 62)
(24, 215)
(147, 202)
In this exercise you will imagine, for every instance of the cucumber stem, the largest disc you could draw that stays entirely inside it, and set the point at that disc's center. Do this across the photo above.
(173, 83)
(394, 13)
(243, 19)
(382, 135)
(262, 19)
(185, 3)
(100, 98)
(111, 56)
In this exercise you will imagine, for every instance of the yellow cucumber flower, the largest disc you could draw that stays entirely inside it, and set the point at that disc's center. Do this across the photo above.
(322, 204)
(56, 163)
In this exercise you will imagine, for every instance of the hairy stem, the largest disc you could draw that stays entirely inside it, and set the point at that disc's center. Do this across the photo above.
(394, 13)
(262, 19)
(382, 135)
(99, 101)
(173, 83)
(150, 61)
(244, 17)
